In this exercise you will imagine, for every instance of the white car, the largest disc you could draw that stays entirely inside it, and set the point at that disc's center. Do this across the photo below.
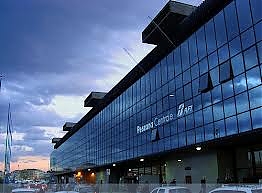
(238, 189)
(66, 192)
(171, 189)
(23, 190)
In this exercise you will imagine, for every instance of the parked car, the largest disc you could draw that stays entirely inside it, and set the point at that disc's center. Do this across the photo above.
(238, 189)
(24, 190)
(66, 192)
(171, 189)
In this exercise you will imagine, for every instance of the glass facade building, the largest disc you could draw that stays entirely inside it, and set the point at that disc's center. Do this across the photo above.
(207, 88)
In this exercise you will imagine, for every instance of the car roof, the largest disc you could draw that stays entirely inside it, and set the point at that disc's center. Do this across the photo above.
(238, 188)
(172, 187)
(66, 192)
(23, 190)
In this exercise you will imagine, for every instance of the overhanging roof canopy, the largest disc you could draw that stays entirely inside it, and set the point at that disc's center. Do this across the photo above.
(94, 99)
(68, 126)
(161, 28)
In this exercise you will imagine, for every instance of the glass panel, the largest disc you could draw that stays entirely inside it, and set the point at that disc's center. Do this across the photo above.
(205, 83)
(229, 107)
(218, 111)
(198, 116)
(223, 53)
(237, 64)
(240, 84)
(253, 77)
(258, 31)
(182, 139)
(210, 36)
(216, 94)
(215, 76)
(250, 57)
(195, 71)
(231, 20)
(199, 134)
(231, 125)
(213, 60)
(256, 10)
(220, 27)
(220, 130)
(244, 122)
(195, 87)
(255, 97)
(209, 132)
(177, 61)
(256, 118)
(206, 99)
(185, 56)
(242, 102)
(244, 16)
(208, 115)
(186, 77)
(201, 43)
(203, 66)
(248, 38)
(170, 66)
(193, 49)
(225, 72)
(191, 137)
(188, 91)
(235, 46)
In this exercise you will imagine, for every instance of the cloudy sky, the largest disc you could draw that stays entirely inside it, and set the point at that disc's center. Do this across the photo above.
(53, 54)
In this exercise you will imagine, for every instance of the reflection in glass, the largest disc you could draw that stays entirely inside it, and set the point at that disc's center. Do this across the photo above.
(237, 64)
(244, 122)
(253, 77)
(250, 57)
(235, 46)
(258, 31)
(242, 102)
(209, 131)
(255, 97)
(256, 10)
(229, 107)
(240, 84)
(216, 94)
(231, 126)
(231, 20)
(244, 16)
(200, 135)
(248, 38)
(218, 111)
(210, 36)
(220, 27)
(256, 118)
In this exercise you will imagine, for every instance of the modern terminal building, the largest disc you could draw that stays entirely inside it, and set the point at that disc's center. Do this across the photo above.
(192, 108)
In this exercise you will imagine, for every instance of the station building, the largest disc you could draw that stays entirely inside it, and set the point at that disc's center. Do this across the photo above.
(192, 108)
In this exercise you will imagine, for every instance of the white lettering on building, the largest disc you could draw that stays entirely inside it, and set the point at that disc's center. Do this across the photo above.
(182, 111)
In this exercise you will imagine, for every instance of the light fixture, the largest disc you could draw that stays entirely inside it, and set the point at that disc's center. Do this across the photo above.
(171, 95)
(142, 159)
(198, 148)
(130, 170)
(165, 165)
(89, 169)
(114, 165)
(92, 174)
(179, 160)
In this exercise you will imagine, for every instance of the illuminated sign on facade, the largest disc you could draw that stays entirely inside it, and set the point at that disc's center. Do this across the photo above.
(182, 111)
